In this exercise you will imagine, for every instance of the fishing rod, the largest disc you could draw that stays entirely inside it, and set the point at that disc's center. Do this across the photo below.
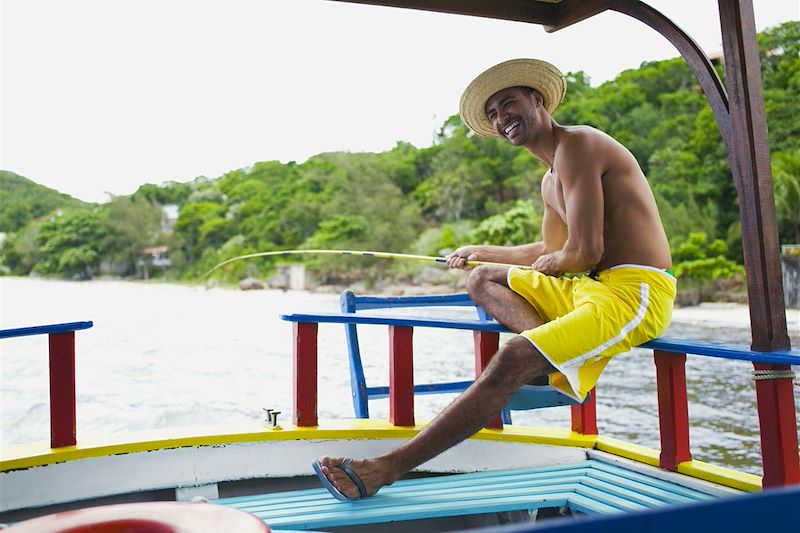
(359, 253)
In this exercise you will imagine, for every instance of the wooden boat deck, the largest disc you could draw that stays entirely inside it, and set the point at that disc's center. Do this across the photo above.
(590, 487)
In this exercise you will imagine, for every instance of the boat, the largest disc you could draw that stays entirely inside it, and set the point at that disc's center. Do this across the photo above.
(507, 477)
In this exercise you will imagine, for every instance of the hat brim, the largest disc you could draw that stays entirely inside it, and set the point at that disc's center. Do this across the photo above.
(533, 73)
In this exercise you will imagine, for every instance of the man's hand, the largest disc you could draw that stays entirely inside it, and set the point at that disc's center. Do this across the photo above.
(459, 258)
(548, 264)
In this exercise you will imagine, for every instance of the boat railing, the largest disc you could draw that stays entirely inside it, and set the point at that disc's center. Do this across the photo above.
(61, 341)
(773, 377)
(772, 373)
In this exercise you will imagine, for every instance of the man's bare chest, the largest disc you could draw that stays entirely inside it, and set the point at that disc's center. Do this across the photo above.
(553, 195)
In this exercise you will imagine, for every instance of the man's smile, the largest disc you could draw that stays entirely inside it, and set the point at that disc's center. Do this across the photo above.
(511, 129)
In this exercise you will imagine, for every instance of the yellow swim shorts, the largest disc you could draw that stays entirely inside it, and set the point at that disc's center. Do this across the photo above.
(589, 320)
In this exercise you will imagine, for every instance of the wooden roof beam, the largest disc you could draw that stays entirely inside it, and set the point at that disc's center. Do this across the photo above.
(695, 58)
(570, 12)
(536, 12)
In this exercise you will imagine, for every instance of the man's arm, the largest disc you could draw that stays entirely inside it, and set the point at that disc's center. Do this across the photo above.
(579, 167)
(524, 254)
(554, 235)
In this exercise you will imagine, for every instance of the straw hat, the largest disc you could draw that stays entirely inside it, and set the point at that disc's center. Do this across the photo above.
(539, 75)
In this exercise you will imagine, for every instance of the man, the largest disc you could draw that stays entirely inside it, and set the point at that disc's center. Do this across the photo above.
(600, 218)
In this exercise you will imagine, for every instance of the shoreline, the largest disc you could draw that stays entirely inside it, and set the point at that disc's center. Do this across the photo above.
(716, 313)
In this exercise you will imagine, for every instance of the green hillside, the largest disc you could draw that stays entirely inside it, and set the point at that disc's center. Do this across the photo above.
(24, 201)
(463, 189)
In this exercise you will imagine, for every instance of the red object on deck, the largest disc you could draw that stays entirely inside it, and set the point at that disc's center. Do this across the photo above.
(401, 376)
(486, 345)
(150, 517)
(304, 413)
(673, 409)
(62, 389)
(776, 418)
(584, 416)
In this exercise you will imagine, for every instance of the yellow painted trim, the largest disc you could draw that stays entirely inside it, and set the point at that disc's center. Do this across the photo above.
(40, 454)
(628, 450)
(721, 475)
(695, 469)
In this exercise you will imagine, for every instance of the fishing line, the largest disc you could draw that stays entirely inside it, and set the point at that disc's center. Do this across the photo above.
(357, 253)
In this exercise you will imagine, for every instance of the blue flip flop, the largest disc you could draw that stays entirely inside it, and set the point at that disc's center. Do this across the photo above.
(344, 466)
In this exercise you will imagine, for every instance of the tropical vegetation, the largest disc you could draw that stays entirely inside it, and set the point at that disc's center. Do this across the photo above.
(462, 189)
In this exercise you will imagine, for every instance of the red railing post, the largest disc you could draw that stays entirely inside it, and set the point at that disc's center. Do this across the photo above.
(777, 419)
(304, 413)
(401, 375)
(673, 408)
(584, 416)
(486, 345)
(62, 389)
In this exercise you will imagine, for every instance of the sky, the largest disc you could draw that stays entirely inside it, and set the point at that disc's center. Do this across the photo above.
(102, 96)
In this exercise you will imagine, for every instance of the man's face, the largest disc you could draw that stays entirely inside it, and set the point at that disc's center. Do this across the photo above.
(512, 113)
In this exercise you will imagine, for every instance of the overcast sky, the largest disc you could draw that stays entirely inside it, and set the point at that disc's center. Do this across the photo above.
(101, 96)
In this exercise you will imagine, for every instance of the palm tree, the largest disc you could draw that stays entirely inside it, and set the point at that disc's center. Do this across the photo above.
(786, 179)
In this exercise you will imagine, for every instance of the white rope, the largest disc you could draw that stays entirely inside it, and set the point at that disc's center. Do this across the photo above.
(762, 375)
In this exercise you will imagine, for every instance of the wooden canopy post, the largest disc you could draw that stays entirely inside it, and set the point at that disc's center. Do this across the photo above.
(750, 164)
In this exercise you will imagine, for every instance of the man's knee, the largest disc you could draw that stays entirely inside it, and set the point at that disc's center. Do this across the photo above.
(481, 276)
(519, 361)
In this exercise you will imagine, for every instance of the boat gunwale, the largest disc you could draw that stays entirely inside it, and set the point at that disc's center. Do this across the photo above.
(35, 455)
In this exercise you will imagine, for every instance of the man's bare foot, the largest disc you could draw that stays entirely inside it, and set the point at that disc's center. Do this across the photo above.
(373, 473)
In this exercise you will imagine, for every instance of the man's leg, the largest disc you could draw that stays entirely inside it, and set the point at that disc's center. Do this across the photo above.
(488, 287)
(514, 365)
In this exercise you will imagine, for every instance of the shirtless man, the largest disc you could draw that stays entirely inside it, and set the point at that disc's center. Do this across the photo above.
(600, 218)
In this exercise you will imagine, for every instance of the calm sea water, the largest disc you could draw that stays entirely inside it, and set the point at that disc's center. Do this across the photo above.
(164, 355)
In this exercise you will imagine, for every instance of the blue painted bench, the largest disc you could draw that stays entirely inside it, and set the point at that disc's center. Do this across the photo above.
(590, 487)
(774, 509)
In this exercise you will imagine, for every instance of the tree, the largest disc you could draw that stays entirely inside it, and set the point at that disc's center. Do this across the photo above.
(518, 225)
(133, 224)
(786, 180)
(698, 262)
(70, 244)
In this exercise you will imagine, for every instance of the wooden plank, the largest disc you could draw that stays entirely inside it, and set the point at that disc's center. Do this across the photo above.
(380, 320)
(573, 11)
(648, 480)
(401, 375)
(589, 486)
(583, 416)
(695, 58)
(721, 350)
(486, 345)
(62, 389)
(394, 302)
(354, 513)
(778, 424)
(724, 351)
(750, 165)
(304, 412)
(44, 330)
(643, 488)
(610, 499)
(619, 491)
(772, 510)
(673, 409)
(537, 12)
(588, 505)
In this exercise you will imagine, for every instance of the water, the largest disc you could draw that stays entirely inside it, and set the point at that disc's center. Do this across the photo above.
(175, 355)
